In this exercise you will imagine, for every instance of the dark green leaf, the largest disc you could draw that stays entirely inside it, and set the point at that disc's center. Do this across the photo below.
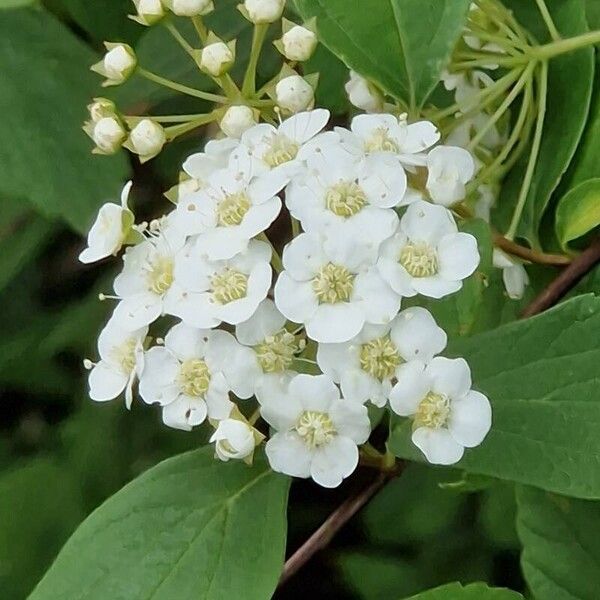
(578, 212)
(473, 591)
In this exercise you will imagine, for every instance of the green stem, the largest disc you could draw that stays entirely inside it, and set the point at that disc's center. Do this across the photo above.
(179, 87)
(562, 46)
(180, 39)
(177, 130)
(258, 39)
(165, 118)
(200, 29)
(548, 20)
(535, 149)
(485, 59)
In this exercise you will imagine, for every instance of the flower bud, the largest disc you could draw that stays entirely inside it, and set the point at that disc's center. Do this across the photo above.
(190, 8)
(216, 59)
(294, 94)
(298, 43)
(148, 11)
(235, 440)
(146, 139)
(263, 11)
(117, 65)
(101, 108)
(107, 133)
(362, 94)
(236, 120)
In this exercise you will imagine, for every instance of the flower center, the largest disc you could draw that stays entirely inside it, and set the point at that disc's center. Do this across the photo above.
(124, 355)
(345, 199)
(380, 141)
(276, 352)
(194, 377)
(433, 411)
(232, 209)
(160, 275)
(281, 150)
(315, 428)
(419, 259)
(380, 358)
(229, 285)
(333, 283)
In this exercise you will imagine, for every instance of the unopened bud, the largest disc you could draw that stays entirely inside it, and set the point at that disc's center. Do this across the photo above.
(235, 440)
(148, 11)
(146, 139)
(236, 120)
(362, 94)
(190, 8)
(108, 134)
(117, 65)
(101, 108)
(294, 94)
(216, 59)
(264, 11)
(298, 43)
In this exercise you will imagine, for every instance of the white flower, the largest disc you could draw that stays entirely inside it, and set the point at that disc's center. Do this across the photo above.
(469, 127)
(298, 43)
(448, 415)
(294, 94)
(374, 134)
(428, 255)
(231, 210)
(146, 139)
(282, 148)
(110, 229)
(121, 360)
(351, 195)
(209, 292)
(235, 439)
(145, 283)
(107, 133)
(367, 365)
(264, 11)
(330, 285)
(487, 195)
(363, 95)
(216, 59)
(148, 11)
(317, 431)
(449, 169)
(201, 165)
(466, 87)
(236, 120)
(514, 274)
(192, 374)
(274, 348)
(190, 8)
(100, 108)
(117, 65)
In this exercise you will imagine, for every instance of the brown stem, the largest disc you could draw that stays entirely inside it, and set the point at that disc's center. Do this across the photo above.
(581, 265)
(336, 520)
(527, 253)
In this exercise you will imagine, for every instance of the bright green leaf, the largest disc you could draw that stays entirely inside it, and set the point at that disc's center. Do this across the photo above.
(414, 40)
(190, 528)
(472, 591)
(45, 157)
(578, 211)
(541, 376)
(561, 547)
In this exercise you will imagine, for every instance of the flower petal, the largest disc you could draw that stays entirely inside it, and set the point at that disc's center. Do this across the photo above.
(333, 323)
(438, 446)
(416, 335)
(412, 386)
(449, 376)
(288, 454)
(334, 461)
(470, 419)
(458, 256)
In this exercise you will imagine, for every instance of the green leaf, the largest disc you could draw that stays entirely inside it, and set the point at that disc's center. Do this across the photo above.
(570, 82)
(561, 547)
(472, 591)
(578, 212)
(4, 4)
(190, 528)
(541, 376)
(45, 157)
(414, 40)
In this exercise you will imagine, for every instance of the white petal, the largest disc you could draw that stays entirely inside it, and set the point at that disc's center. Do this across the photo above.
(449, 376)
(282, 412)
(417, 336)
(315, 392)
(438, 446)
(396, 276)
(303, 257)
(288, 454)
(419, 137)
(265, 322)
(295, 299)
(158, 383)
(333, 359)
(383, 180)
(334, 461)
(271, 387)
(222, 243)
(358, 386)
(411, 388)
(351, 420)
(218, 404)
(105, 382)
(304, 125)
(139, 310)
(470, 419)
(435, 286)
(334, 323)
(378, 301)
(458, 256)
(425, 222)
(364, 125)
(186, 342)
(184, 413)
(196, 310)
(515, 280)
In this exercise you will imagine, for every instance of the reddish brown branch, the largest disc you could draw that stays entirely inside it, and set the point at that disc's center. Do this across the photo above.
(336, 520)
(581, 265)
(527, 253)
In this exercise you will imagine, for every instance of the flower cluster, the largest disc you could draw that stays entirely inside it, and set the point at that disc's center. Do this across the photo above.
(316, 334)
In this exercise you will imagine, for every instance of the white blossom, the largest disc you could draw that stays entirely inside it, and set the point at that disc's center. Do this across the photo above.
(148, 11)
(449, 169)
(294, 94)
(367, 365)
(190, 8)
(121, 361)
(428, 255)
(209, 292)
(332, 286)
(118, 63)
(466, 86)
(216, 58)
(200, 165)
(514, 275)
(101, 108)
(264, 11)
(146, 139)
(363, 95)
(107, 133)
(448, 416)
(192, 374)
(235, 439)
(110, 229)
(298, 43)
(317, 431)
(236, 120)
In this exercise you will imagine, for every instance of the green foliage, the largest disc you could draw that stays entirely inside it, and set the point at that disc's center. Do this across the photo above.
(578, 212)
(473, 591)
(561, 548)
(414, 40)
(540, 376)
(196, 528)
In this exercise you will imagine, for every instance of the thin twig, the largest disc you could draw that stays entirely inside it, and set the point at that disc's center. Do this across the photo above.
(336, 520)
(529, 254)
(581, 265)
